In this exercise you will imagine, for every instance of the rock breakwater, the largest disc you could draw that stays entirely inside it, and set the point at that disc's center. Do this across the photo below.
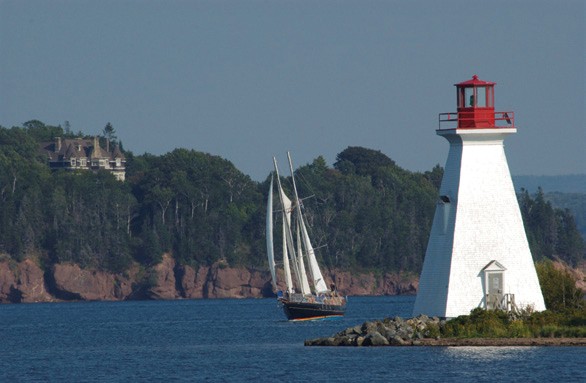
(424, 331)
(388, 332)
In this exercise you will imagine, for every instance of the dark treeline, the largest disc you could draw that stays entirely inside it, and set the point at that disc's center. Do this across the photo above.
(372, 214)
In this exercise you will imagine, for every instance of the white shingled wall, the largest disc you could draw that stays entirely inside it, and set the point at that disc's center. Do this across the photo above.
(481, 223)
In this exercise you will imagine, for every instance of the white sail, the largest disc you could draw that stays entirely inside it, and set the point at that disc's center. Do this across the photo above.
(286, 224)
(318, 280)
(304, 280)
(288, 244)
(269, 235)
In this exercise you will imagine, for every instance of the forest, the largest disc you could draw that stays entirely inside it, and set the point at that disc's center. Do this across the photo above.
(367, 213)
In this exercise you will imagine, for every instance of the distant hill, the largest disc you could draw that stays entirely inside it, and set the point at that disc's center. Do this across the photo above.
(573, 183)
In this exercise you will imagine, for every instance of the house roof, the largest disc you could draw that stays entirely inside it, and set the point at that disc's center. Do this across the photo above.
(64, 149)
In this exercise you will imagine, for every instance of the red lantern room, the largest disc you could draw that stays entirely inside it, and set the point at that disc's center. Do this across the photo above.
(475, 100)
(475, 103)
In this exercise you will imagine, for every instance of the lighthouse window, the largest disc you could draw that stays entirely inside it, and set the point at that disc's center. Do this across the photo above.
(445, 199)
(469, 97)
(481, 97)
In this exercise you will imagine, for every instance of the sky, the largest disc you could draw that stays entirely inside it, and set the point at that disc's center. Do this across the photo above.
(251, 79)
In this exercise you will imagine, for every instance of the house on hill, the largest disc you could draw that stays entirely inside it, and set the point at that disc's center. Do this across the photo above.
(84, 154)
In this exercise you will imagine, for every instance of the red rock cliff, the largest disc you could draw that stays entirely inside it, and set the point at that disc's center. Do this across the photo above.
(26, 282)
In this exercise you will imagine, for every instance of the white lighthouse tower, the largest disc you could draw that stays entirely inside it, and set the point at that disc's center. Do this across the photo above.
(477, 254)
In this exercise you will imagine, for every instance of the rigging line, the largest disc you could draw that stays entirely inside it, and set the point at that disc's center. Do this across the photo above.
(305, 255)
(308, 197)
(298, 174)
(304, 181)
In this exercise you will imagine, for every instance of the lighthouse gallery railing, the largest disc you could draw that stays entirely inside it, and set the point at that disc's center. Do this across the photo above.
(450, 120)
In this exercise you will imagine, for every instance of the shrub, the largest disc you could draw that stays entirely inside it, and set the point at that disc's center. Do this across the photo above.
(558, 287)
(518, 329)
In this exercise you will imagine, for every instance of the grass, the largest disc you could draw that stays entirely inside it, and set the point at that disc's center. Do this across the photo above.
(498, 324)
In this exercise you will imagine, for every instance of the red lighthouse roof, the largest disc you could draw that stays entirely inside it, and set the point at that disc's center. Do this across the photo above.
(474, 81)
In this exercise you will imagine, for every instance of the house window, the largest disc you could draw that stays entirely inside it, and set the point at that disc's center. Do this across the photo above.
(118, 162)
(83, 162)
(73, 162)
(102, 163)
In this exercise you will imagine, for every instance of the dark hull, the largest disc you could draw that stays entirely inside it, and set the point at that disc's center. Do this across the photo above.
(310, 311)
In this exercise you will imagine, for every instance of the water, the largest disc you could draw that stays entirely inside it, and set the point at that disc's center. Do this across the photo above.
(242, 341)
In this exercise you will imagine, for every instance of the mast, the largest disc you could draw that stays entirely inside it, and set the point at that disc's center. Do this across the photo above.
(304, 280)
(288, 236)
(318, 280)
(286, 217)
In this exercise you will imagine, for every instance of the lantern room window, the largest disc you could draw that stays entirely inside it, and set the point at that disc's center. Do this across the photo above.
(481, 97)
(476, 97)
(468, 97)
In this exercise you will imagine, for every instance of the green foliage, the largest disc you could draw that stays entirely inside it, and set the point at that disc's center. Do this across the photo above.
(559, 288)
(432, 331)
(109, 132)
(361, 161)
(371, 214)
(479, 324)
(565, 317)
(499, 324)
(552, 233)
(198, 206)
(574, 203)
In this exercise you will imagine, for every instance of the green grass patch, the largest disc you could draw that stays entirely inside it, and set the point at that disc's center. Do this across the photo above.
(499, 324)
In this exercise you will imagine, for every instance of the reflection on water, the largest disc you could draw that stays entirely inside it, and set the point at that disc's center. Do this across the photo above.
(488, 354)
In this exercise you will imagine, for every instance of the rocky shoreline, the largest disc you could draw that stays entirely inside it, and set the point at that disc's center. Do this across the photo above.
(423, 331)
(27, 282)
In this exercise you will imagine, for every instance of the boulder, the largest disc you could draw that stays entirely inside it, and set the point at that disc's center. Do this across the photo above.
(397, 341)
(375, 339)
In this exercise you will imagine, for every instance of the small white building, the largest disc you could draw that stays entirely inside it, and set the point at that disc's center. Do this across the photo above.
(477, 254)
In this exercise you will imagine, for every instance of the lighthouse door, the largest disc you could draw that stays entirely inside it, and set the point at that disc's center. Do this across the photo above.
(495, 290)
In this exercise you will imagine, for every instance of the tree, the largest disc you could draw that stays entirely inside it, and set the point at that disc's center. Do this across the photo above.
(364, 161)
(552, 233)
(365, 214)
(109, 132)
(558, 287)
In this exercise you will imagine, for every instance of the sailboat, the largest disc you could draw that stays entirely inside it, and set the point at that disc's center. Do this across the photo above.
(306, 295)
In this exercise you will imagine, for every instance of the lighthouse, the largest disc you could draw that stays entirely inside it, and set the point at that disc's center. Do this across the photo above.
(477, 254)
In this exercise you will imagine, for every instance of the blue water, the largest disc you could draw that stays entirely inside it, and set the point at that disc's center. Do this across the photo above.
(243, 341)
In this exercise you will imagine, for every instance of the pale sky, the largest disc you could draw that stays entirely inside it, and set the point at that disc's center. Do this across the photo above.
(247, 80)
